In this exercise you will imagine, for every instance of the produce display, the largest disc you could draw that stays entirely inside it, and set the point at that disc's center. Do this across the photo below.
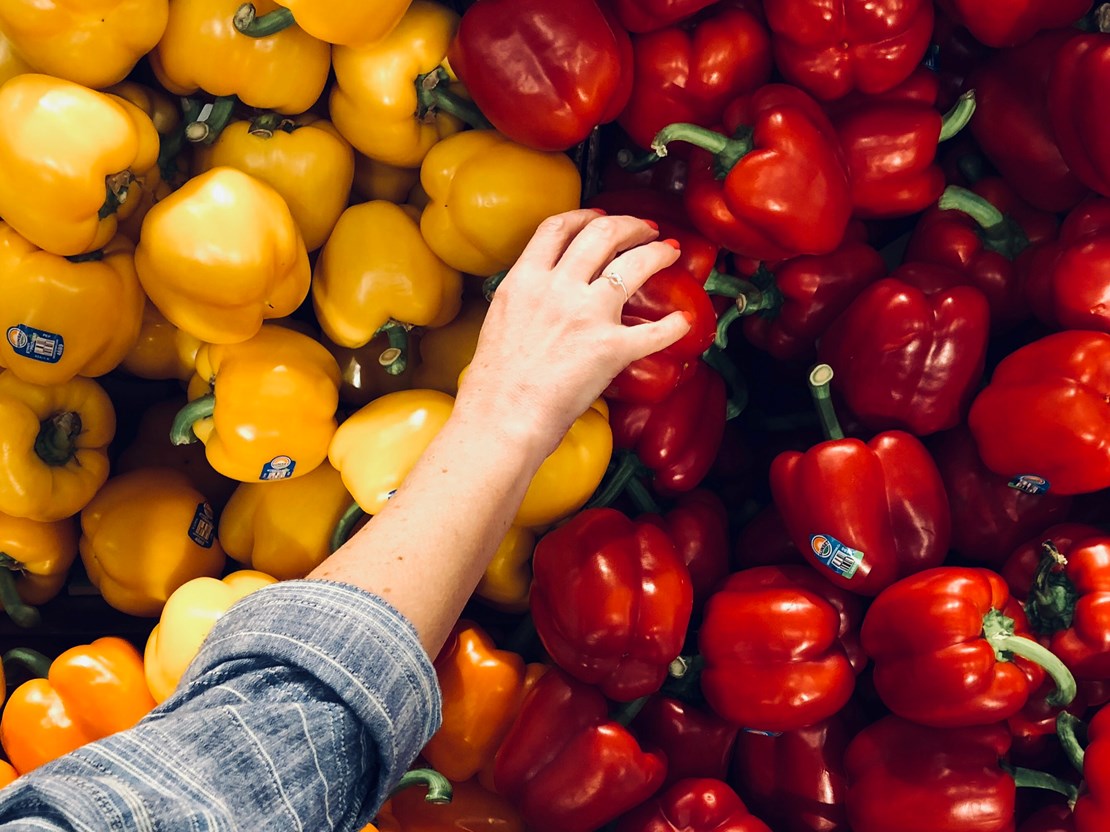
(838, 560)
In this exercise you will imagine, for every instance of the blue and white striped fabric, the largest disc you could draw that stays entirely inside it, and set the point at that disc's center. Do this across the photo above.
(307, 702)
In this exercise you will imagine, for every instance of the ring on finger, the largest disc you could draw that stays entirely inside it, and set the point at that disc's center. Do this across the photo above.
(618, 281)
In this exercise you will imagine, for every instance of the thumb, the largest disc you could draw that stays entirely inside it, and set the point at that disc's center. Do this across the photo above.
(644, 339)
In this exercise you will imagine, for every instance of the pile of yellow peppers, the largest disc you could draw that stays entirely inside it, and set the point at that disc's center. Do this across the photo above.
(241, 262)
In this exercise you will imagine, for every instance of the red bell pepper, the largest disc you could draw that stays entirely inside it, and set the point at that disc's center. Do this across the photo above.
(566, 765)
(1081, 76)
(952, 648)
(889, 516)
(765, 541)
(544, 74)
(1056, 817)
(774, 184)
(1009, 24)
(1020, 569)
(778, 644)
(1071, 276)
(796, 780)
(910, 349)
(689, 72)
(831, 49)
(698, 526)
(953, 54)
(649, 15)
(990, 518)
(1012, 125)
(693, 805)
(1033, 729)
(695, 742)
(1044, 413)
(787, 308)
(611, 600)
(1092, 811)
(676, 438)
(984, 235)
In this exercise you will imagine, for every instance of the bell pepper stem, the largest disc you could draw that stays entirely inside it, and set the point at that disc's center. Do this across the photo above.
(434, 95)
(1027, 778)
(35, 662)
(181, 431)
(247, 22)
(1067, 728)
(439, 787)
(342, 530)
(737, 386)
(728, 151)
(211, 121)
(958, 117)
(490, 284)
(726, 320)
(635, 162)
(624, 467)
(684, 678)
(641, 497)
(1051, 603)
(998, 232)
(115, 192)
(1102, 18)
(998, 630)
(55, 443)
(265, 125)
(819, 379)
(624, 714)
(21, 613)
(394, 358)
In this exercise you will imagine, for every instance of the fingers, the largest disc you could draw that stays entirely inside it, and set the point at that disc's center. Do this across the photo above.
(637, 265)
(552, 237)
(599, 242)
(644, 339)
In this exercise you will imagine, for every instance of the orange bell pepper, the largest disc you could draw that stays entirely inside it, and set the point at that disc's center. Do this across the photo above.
(8, 774)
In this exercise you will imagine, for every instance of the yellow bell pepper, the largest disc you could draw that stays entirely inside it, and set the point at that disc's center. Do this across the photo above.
(572, 473)
(393, 100)
(376, 269)
(187, 619)
(284, 528)
(271, 412)
(202, 50)
(162, 351)
(146, 533)
(345, 22)
(34, 561)
(508, 578)
(66, 318)
(378, 445)
(69, 155)
(220, 255)
(445, 351)
(149, 449)
(363, 376)
(377, 180)
(54, 446)
(11, 62)
(304, 159)
(162, 110)
(91, 43)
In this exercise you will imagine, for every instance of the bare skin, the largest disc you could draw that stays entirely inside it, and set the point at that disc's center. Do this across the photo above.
(551, 343)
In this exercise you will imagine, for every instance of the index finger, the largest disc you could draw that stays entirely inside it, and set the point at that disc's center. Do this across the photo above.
(552, 237)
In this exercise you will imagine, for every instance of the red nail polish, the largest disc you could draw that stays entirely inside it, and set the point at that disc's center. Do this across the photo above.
(673, 243)
(600, 211)
(654, 226)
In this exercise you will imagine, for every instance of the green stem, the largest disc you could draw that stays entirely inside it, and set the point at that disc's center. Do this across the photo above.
(21, 613)
(439, 787)
(434, 95)
(641, 497)
(622, 470)
(1102, 17)
(684, 678)
(972, 167)
(342, 530)
(998, 630)
(181, 431)
(636, 162)
(394, 358)
(737, 387)
(87, 257)
(490, 284)
(55, 444)
(998, 232)
(265, 125)
(247, 22)
(819, 379)
(1051, 603)
(728, 151)
(1027, 778)
(958, 117)
(33, 660)
(627, 712)
(726, 320)
(1067, 726)
(206, 128)
(115, 193)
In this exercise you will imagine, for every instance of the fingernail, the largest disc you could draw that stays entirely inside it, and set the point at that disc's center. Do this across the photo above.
(654, 226)
(673, 243)
(689, 316)
(600, 211)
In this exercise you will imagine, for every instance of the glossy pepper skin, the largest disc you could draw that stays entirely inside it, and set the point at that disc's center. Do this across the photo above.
(487, 196)
(57, 175)
(508, 578)
(473, 808)
(690, 71)
(188, 616)
(143, 535)
(566, 765)
(948, 647)
(11, 62)
(698, 525)
(54, 443)
(376, 268)
(222, 254)
(910, 350)
(378, 102)
(786, 190)
(1082, 66)
(695, 741)
(920, 779)
(544, 75)
(1044, 413)
(894, 513)
(271, 414)
(202, 50)
(832, 49)
(347, 22)
(641, 16)
(1092, 810)
(780, 648)
(611, 600)
(1020, 569)
(34, 564)
(1015, 23)
(93, 45)
(698, 803)
(89, 692)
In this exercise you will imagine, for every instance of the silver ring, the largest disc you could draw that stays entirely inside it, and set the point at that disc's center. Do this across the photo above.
(618, 281)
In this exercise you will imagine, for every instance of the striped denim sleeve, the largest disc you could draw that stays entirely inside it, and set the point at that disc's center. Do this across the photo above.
(307, 702)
